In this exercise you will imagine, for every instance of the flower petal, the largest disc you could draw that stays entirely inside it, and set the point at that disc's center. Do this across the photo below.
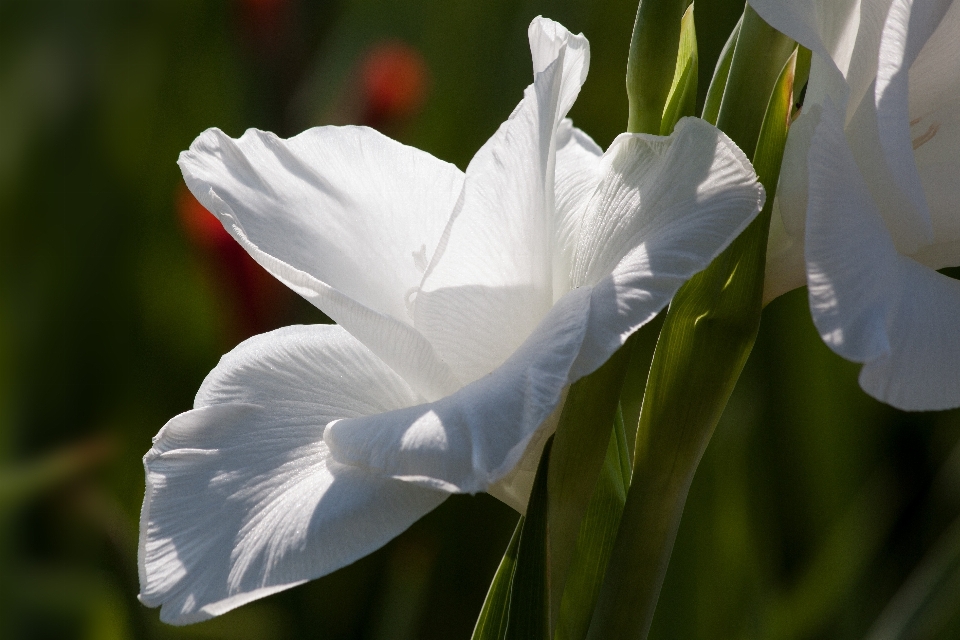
(346, 205)
(906, 228)
(578, 174)
(498, 246)
(474, 437)
(935, 132)
(909, 25)
(786, 269)
(826, 27)
(243, 498)
(869, 303)
(342, 215)
(701, 194)
(920, 372)
(664, 209)
(844, 36)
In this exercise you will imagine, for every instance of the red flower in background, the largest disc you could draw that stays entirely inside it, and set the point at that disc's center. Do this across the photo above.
(394, 80)
(256, 300)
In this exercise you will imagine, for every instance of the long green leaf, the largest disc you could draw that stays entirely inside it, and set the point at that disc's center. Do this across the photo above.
(711, 107)
(650, 63)
(708, 333)
(492, 622)
(773, 133)
(598, 532)
(529, 614)
(579, 446)
(682, 99)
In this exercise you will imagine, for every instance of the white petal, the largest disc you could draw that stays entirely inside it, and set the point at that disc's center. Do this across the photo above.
(844, 36)
(935, 131)
(549, 41)
(869, 303)
(907, 227)
(346, 205)
(706, 193)
(799, 19)
(909, 25)
(345, 217)
(243, 498)
(578, 174)
(498, 247)
(862, 70)
(664, 209)
(474, 437)
(786, 269)
(827, 27)
(920, 372)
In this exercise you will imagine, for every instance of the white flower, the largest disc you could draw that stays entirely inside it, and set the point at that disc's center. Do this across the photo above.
(466, 303)
(869, 197)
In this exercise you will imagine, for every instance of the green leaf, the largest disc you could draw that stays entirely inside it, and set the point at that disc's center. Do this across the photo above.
(711, 107)
(758, 58)
(707, 335)
(579, 447)
(529, 614)
(773, 133)
(492, 622)
(682, 99)
(595, 542)
(650, 64)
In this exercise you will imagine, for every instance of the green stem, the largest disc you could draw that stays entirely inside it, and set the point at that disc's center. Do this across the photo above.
(579, 448)
(708, 333)
(651, 62)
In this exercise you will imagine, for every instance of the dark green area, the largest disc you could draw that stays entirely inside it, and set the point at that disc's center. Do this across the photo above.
(812, 504)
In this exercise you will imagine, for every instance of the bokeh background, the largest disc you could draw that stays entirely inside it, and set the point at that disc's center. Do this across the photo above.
(814, 508)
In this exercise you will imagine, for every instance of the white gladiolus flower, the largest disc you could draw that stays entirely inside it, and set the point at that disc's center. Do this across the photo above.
(466, 303)
(869, 200)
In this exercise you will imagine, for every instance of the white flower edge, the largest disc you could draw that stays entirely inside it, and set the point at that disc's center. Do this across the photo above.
(870, 303)
(242, 496)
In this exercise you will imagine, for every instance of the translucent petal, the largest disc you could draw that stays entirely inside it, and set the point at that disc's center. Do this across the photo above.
(678, 202)
(871, 304)
(344, 216)
(243, 498)
(490, 281)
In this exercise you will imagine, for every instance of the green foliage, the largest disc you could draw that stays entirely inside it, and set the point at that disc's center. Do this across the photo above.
(529, 612)
(492, 621)
(711, 106)
(598, 531)
(682, 99)
(651, 62)
(577, 457)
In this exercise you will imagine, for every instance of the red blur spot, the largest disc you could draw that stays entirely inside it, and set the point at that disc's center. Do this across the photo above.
(202, 227)
(256, 301)
(394, 81)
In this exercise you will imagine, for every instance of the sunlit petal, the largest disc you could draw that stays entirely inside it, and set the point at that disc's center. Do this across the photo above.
(344, 216)
(665, 208)
(498, 247)
(243, 498)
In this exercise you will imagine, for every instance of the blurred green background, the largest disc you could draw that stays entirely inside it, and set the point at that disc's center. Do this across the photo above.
(814, 508)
